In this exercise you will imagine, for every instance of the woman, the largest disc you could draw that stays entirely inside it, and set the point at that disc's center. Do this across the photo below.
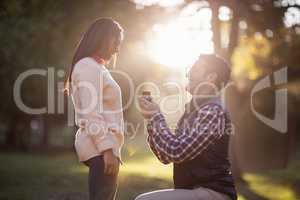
(98, 107)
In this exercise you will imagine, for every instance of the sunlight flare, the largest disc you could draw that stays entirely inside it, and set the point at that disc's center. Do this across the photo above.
(178, 43)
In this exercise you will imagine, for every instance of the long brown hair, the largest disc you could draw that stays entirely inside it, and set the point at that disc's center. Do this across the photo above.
(97, 39)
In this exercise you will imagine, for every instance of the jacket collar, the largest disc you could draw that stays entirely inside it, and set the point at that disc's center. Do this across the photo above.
(196, 102)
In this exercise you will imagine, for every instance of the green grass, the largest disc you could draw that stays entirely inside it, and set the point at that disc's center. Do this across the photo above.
(277, 184)
(43, 177)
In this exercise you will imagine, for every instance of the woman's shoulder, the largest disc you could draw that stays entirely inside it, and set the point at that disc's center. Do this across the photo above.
(88, 64)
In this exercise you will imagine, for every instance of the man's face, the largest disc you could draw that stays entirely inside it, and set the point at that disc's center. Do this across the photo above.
(198, 79)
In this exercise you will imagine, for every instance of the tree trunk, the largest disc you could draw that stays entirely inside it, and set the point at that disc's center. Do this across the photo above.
(233, 42)
(234, 31)
(11, 136)
(45, 132)
(215, 23)
(11, 133)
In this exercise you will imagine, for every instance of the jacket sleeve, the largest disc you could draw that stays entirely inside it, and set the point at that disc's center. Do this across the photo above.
(88, 83)
(208, 126)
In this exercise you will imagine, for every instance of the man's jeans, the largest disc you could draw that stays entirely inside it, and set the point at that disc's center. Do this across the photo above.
(200, 193)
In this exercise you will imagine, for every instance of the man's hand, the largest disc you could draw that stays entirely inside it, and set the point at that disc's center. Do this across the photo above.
(111, 162)
(147, 108)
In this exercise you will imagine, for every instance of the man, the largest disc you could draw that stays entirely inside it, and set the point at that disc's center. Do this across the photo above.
(199, 147)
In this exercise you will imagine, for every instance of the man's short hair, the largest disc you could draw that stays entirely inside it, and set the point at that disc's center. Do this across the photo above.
(215, 64)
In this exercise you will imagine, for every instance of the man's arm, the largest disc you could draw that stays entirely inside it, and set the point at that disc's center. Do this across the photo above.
(208, 126)
(153, 146)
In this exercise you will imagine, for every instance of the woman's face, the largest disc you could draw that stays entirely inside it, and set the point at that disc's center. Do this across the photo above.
(118, 42)
(115, 45)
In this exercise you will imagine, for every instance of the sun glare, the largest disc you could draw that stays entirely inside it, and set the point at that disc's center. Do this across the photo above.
(178, 43)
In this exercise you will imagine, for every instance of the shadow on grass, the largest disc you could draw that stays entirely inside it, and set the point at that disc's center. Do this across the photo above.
(249, 193)
(131, 187)
(43, 177)
(61, 177)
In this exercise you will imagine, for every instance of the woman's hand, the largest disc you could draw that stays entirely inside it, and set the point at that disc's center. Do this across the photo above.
(147, 108)
(111, 162)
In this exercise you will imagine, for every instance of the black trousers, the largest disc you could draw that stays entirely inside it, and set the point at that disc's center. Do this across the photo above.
(101, 186)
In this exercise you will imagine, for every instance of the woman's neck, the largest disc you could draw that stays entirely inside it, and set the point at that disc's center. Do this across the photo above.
(99, 60)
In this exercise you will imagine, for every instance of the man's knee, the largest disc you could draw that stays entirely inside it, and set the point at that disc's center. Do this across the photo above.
(143, 197)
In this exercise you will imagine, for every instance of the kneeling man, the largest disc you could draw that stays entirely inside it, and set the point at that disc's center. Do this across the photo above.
(199, 147)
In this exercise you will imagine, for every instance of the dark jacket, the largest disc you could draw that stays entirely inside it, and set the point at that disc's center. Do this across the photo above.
(211, 169)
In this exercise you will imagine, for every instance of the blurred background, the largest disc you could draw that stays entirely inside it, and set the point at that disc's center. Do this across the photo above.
(162, 39)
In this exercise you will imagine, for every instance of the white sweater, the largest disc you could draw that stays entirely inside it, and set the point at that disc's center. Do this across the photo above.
(98, 110)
